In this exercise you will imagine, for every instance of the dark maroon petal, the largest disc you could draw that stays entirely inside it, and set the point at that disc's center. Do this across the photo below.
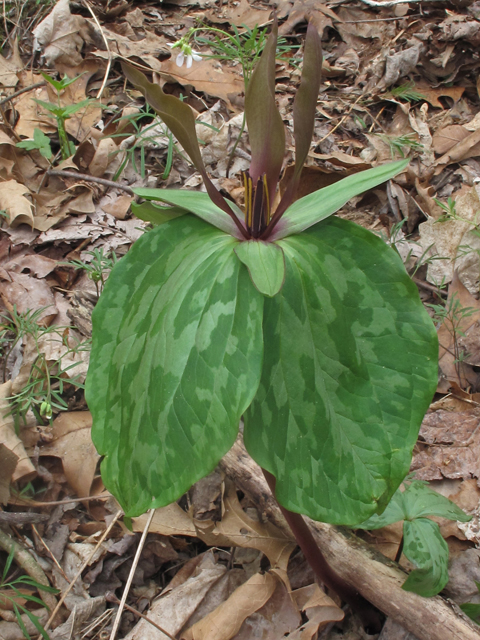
(304, 108)
(178, 117)
(265, 126)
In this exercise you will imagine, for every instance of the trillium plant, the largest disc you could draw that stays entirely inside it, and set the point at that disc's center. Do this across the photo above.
(304, 324)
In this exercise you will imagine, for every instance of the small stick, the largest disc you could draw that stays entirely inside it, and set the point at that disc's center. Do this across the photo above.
(136, 559)
(54, 560)
(392, 3)
(54, 503)
(20, 91)
(109, 63)
(84, 176)
(20, 519)
(111, 597)
(80, 571)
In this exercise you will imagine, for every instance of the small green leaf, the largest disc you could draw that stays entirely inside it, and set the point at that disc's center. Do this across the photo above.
(471, 609)
(321, 204)
(425, 547)
(265, 263)
(196, 202)
(350, 367)
(176, 359)
(421, 500)
(156, 215)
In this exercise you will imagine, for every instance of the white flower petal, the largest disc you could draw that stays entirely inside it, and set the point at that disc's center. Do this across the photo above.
(180, 59)
(196, 56)
(189, 61)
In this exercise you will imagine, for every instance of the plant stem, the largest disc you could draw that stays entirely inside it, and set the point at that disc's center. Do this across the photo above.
(323, 571)
(399, 551)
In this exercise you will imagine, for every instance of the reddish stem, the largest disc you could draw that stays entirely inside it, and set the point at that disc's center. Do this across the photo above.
(323, 571)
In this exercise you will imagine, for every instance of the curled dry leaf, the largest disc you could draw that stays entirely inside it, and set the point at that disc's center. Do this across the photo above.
(27, 293)
(17, 207)
(176, 605)
(58, 35)
(207, 76)
(73, 445)
(319, 609)
(225, 621)
(239, 530)
(24, 469)
(465, 148)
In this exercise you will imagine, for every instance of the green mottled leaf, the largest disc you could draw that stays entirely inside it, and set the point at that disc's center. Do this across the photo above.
(350, 368)
(415, 501)
(196, 202)
(156, 215)
(321, 204)
(265, 263)
(424, 546)
(420, 500)
(176, 359)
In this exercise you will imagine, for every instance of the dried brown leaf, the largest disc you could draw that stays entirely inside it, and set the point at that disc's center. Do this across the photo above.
(24, 469)
(225, 621)
(72, 443)
(18, 208)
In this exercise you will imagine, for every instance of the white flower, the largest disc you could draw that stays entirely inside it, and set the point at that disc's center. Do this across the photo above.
(187, 52)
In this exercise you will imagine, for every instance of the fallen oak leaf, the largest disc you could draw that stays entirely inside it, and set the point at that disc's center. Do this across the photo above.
(24, 469)
(17, 207)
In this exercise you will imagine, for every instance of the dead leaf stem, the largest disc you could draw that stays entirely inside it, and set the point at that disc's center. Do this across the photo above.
(128, 584)
(84, 176)
(20, 91)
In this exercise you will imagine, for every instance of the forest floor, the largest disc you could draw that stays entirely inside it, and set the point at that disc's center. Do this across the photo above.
(399, 80)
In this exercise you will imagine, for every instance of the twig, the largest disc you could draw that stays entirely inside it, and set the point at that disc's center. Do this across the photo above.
(415, 15)
(84, 176)
(430, 287)
(80, 571)
(109, 63)
(36, 503)
(45, 545)
(111, 597)
(136, 559)
(20, 91)
(392, 3)
(28, 563)
(20, 519)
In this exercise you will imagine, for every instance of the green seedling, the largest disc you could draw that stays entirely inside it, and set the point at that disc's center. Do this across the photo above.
(401, 145)
(407, 92)
(40, 142)
(63, 113)
(97, 269)
(453, 315)
(14, 592)
(422, 542)
(44, 388)
(307, 325)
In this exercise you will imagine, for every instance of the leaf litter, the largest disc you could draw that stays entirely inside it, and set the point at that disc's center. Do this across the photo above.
(395, 85)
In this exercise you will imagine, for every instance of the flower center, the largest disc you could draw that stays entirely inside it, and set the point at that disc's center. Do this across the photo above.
(257, 204)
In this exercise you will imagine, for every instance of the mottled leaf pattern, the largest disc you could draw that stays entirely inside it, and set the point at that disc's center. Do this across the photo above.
(415, 501)
(265, 263)
(176, 359)
(424, 546)
(350, 367)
